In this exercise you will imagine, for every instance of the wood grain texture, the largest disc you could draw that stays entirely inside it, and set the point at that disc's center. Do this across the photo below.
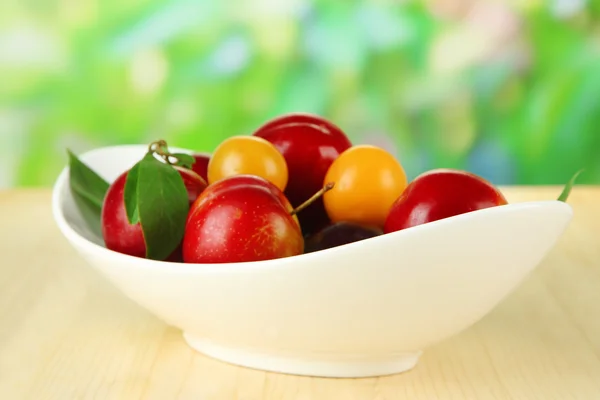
(65, 333)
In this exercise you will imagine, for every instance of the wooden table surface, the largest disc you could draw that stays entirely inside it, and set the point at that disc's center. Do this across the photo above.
(66, 333)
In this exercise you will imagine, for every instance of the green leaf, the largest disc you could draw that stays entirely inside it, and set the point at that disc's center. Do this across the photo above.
(130, 195)
(86, 181)
(157, 193)
(567, 190)
(184, 160)
(88, 190)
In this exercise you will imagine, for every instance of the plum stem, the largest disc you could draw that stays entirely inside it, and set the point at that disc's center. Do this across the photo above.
(161, 148)
(321, 192)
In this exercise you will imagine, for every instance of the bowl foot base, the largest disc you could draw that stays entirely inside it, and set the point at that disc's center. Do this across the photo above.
(356, 367)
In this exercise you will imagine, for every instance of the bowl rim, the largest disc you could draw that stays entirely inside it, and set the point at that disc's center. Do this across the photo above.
(61, 185)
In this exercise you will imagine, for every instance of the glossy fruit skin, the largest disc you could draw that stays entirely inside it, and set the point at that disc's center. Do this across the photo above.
(338, 234)
(240, 223)
(193, 182)
(439, 194)
(201, 165)
(301, 118)
(368, 180)
(249, 180)
(309, 145)
(121, 236)
(251, 155)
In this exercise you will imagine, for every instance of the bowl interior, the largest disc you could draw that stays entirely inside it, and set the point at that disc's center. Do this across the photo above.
(110, 162)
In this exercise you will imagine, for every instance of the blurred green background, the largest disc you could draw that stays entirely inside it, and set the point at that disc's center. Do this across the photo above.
(509, 90)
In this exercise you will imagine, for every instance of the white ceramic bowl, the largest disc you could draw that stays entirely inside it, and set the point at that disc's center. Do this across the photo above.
(364, 309)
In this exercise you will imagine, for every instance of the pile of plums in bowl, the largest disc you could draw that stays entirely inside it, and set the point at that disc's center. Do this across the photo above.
(292, 249)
